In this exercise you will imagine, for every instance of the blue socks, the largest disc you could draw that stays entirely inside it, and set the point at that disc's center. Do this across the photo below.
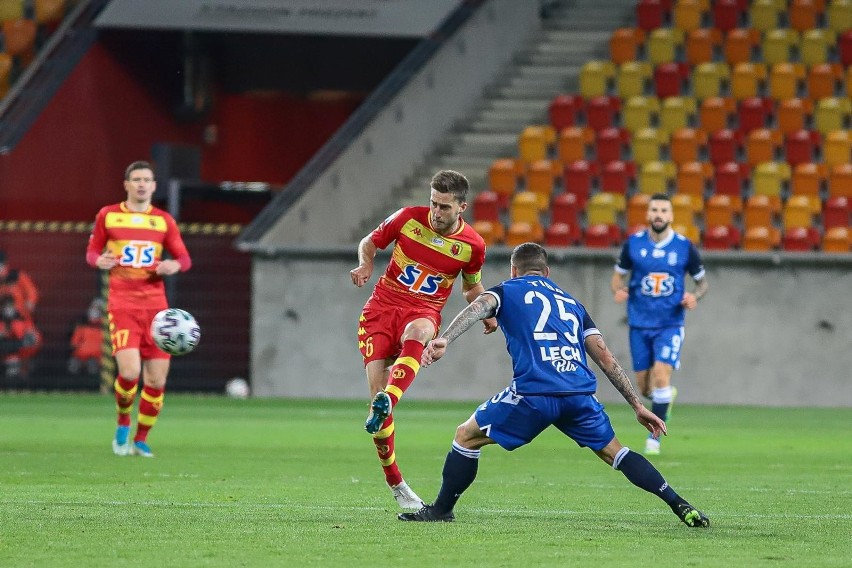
(459, 472)
(641, 473)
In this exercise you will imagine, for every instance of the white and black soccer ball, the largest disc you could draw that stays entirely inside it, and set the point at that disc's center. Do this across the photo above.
(237, 387)
(175, 331)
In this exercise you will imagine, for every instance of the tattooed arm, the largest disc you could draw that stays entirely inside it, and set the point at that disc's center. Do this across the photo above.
(596, 349)
(483, 307)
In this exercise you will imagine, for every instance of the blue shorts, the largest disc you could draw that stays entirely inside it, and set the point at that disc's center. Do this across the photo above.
(512, 420)
(648, 345)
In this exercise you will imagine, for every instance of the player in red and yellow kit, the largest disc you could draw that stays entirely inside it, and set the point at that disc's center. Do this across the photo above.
(128, 239)
(433, 245)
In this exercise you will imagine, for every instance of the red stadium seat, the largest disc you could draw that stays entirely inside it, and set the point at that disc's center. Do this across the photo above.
(602, 236)
(669, 79)
(798, 239)
(836, 212)
(721, 238)
(844, 48)
(799, 146)
(754, 112)
(565, 208)
(565, 110)
(559, 235)
(727, 15)
(729, 178)
(650, 14)
(723, 146)
(601, 112)
(486, 206)
(610, 144)
(578, 178)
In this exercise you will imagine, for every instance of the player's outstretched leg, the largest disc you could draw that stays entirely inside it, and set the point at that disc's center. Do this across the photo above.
(380, 409)
(406, 497)
(690, 516)
(428, 514)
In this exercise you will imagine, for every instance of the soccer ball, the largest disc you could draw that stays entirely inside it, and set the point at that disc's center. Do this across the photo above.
(237, 388)
(175, 331)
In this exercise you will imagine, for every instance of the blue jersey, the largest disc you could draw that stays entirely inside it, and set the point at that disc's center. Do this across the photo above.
(657, 278)
(545, 329)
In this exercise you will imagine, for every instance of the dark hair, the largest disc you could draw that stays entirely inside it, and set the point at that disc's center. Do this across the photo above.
(660, 197)
(137, 165)
(529, 257)
(448, 181)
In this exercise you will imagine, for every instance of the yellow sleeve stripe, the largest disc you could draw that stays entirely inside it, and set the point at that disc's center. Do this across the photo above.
(409, 362)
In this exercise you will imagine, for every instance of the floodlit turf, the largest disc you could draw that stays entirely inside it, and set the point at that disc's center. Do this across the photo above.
(297, 483)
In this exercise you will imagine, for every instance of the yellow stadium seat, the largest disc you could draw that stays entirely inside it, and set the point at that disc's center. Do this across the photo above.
(662, 45)
(524, 208)
(687, 15)
(685, 207)
(763, 15)
(707, 79)
(784, 80)
(604, 208)
(769, 179)
(831, 113)
(839, 15)
(778, 44)
(676, 113)
(816, 45)
(595, 78)
(837, 148)
(797, 213)
(688, 230)
(11, 10)
(49, 12)
(746, 80)
(646, 145)
(633, 79)
(492, 232)
(638, 112)
(655, 177)
(523, 232)
(534, 141)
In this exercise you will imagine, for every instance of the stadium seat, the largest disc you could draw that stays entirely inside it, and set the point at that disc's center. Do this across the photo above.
(840, 181)
(541, 179)
(720, 237)
(639, 112)
(685, 208)
(686, 145)
(837, 148)
(822, 80)
(768, 179)
(844, 48)
(610, 144)
(778, 44)
(792, 114)
(492, 232)
(806, 180)
(837, 239)
(797, 212)
(19, 39)
(761, 145)
(524, 208)
(565, 110)
(701, 45)
(523, 232)
(534, 141)
(503, 179)
(715, 113)
(616, 176)
(655, 177)
(5, 71)
(663, 44)
(707, 79)
(836, 212)
(831, 113)
(838, 15)
(848, 83)
(692, 178)
(763, 15)
(601, 236)
(727, 15)
(729, 178)
(579, 177)
(637, 209)
(802, 15)
(800, 146)
(11, 10)
(799, 239)
(649, 15)
(676, 113)
(669, 79)
(687, 15)
(758, 239)
(573, 143)
(747, 80)
(739, 44)
(647, 144)
(559, 235)
(720, 210)
(754, 112)
(722, 146)
(49, 12)
(486, 206)
(815, 46)
(624, 44)
(601, 112)
(632, 79)
(604, 207)
(565, 208)
(785, 80)
(595, 78)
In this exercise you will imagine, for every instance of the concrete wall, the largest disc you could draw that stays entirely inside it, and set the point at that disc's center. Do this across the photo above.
(774, 330)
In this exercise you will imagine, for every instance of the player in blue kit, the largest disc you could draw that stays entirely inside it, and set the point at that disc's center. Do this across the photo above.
(658, 260)
(548, 335)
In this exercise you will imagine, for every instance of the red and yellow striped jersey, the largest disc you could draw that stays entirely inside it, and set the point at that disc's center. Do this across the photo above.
(424, 264)
(138, 241)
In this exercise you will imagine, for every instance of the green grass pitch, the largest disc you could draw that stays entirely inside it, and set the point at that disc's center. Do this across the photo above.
(297, 483)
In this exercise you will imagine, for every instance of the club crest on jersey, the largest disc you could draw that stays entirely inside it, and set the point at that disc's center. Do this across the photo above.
(455, 249)
(420, 279)
(657, 284)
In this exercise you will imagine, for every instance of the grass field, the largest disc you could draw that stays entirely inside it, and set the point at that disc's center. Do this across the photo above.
(297, 483)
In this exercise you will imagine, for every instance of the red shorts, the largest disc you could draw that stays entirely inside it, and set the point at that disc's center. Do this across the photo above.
(131, 329)
(381, 325)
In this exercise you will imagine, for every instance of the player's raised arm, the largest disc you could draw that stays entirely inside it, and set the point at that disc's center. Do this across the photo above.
(471, 293)
(366, 254)
(483, 307)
